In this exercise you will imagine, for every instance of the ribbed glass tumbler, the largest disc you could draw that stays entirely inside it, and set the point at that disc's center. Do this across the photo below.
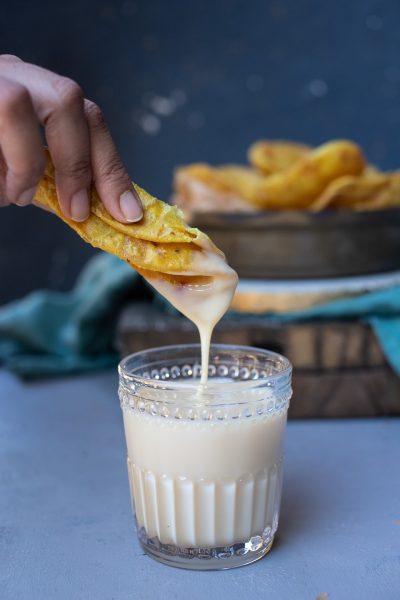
(205, 463)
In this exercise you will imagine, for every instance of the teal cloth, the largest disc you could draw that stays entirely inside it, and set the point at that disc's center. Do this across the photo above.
(49, 333)
(52, 333)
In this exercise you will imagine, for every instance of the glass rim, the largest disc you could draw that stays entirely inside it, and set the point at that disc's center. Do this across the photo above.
(283, 373)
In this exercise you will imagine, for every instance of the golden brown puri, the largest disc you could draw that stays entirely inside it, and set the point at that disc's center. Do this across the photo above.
(273, 156)
(297, 186)
(161, 243)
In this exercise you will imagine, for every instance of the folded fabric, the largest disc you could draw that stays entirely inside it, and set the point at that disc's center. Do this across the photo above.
(52, 333)
(49, 333)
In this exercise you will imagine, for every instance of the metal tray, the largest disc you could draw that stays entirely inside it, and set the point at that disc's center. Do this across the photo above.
(304, 245)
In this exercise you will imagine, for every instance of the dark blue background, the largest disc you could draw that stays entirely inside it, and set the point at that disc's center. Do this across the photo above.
(301, 69)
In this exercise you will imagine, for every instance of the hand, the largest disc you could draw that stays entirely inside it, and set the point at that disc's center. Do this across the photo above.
(76, 134)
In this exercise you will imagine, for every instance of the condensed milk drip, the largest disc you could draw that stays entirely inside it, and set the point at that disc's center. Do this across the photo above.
(179, 261)
(203, 299)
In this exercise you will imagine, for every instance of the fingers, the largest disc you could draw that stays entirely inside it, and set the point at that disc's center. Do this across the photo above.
(21, 144)
(58, 104)
(79, 141)
(110, 177)
(3, 173)
(67, 137)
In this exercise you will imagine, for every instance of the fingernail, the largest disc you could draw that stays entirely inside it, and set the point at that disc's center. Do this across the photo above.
(80, 206)
(131, 207)
(26, 197)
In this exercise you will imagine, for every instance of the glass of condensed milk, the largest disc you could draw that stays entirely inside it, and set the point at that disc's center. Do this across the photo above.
(205, 461)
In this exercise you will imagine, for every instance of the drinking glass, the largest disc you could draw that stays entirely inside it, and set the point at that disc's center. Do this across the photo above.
(205, 462)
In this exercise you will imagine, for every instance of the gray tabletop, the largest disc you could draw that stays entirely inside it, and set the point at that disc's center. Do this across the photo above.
(66, 530)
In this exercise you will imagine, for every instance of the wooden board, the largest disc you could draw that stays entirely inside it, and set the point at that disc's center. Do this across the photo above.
(339, 367)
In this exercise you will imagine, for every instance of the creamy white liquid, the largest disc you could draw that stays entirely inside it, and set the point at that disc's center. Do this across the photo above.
(204, 301)
(204, 483)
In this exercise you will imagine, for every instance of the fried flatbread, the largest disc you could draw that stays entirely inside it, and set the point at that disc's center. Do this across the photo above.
(161, 244)
(296, 187)
(273, 156)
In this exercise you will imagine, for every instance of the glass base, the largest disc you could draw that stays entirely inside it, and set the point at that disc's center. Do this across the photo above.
(206, 559)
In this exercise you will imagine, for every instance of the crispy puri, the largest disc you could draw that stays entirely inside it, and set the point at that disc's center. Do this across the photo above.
(369, 191)
(298, 186)
(273, 156)
(161, 243)
(202, 188)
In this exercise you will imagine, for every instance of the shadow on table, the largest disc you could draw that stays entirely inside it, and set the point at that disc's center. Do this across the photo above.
(304, 507)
